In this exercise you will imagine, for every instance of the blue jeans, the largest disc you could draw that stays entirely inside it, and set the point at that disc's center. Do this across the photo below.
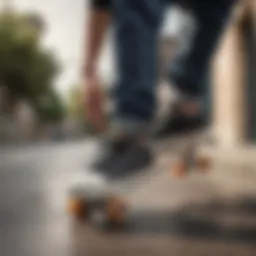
(137, 24)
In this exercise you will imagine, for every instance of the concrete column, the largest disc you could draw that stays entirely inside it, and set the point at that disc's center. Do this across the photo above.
(229, 87)
(253, 10)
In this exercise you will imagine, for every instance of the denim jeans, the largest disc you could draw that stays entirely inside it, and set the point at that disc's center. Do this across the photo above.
(137, 24)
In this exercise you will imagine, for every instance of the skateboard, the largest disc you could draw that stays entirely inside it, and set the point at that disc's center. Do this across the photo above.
(96, 199)
(101, 201)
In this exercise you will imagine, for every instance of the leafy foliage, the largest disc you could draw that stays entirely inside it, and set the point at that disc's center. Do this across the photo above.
(26, 68)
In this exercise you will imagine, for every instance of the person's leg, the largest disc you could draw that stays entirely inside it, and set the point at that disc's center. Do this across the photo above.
(136, 35)
(189, 68)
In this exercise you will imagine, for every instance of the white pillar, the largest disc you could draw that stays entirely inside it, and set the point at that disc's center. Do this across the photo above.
(229, 88)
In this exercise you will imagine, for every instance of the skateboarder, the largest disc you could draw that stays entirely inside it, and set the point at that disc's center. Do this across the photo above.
(136, 25)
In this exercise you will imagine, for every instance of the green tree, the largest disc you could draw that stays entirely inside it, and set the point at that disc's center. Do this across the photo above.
(26, 68)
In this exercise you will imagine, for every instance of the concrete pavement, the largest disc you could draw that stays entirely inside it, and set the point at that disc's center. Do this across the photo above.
(202, 215)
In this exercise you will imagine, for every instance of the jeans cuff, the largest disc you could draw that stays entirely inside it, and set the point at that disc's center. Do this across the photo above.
(130, 127)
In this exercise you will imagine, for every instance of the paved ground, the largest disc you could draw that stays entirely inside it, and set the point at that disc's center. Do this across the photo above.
(203, 215)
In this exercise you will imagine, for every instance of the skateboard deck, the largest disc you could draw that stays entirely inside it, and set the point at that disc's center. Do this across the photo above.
(104, 201)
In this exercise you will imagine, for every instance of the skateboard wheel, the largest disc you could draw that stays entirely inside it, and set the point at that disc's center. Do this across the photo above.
(203, 163)
(179, 170)
(115, 211)
(76, 207)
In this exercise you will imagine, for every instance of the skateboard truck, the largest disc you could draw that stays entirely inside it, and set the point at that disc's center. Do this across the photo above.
(190, 157)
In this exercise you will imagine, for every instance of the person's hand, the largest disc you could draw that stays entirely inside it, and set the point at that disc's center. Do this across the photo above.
(94, 102)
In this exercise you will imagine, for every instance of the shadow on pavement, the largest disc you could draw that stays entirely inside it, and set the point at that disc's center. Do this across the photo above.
(234, 222)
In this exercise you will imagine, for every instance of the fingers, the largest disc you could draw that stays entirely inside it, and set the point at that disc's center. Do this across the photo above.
(94, 104)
